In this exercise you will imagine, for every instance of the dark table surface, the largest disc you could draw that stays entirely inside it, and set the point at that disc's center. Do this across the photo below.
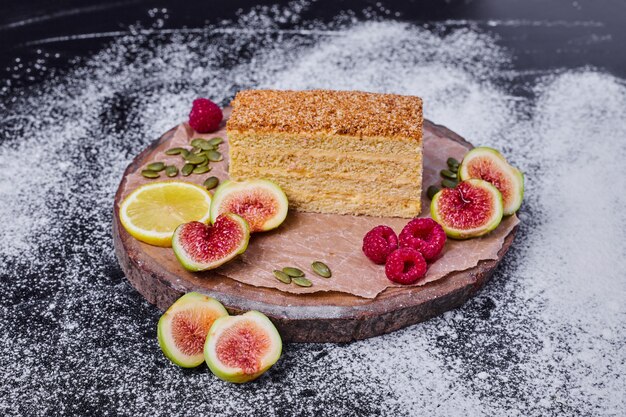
(85, 86)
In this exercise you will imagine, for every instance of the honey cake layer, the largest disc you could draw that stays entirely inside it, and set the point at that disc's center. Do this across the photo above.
(326, 165)
(332, 188)
(352, 113)
(372, 203)
(322, 142)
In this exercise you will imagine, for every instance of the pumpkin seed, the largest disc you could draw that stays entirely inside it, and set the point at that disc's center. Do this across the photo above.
(195, 150)
(174, 151)
(301, 281)
(211, 183)
(293, 272)
(195, 159)
(216, 141)
(186, 170)
(171, 171)
(201, 164)
(431, 191)
(202, 144)
(448, 174)
(453, 164)
(449, 183)
(282, 277)
(156, 166)
(214, 156)
(321, 269)
(148, 173)
(184, 153)
(196, 142)
(201, 170)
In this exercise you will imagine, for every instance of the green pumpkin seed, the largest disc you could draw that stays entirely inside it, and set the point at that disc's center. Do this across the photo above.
(293, 272)
(449, 183)
(321, 269)
(195, 150)
(174, 151)
(195, 159)
(216, 141)
(202, 144)
(186, 170)
(214, 156)
(448, 174)
(282, 277)
(211, 183)
(197, 141)
(452, 161)
(156, 166)
(149, 173)
(301, 281)
(201, 170)
(171, 171)
(453, 164)
(201, 164)
(184, 153)
(431, 191)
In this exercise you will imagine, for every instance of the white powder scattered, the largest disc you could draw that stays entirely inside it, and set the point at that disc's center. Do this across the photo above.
(545, 337)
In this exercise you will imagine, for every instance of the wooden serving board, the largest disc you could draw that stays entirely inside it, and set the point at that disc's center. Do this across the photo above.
(316, 317)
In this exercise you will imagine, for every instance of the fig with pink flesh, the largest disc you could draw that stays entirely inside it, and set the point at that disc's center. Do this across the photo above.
(488, 164)
(241, 348)
(199, 247)
(184, 326)
(261, 202)
(473, 208)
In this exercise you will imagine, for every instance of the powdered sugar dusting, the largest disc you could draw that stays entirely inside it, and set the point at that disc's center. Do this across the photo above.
(544, 338)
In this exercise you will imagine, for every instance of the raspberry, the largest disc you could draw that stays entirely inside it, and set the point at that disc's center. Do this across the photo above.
(205, 116)
(379, 242)
(424, 235)
(405, 266)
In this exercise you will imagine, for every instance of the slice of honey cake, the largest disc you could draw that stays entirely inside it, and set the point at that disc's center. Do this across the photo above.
(345, 152)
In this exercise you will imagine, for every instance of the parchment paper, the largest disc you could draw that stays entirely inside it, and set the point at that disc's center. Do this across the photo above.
(333, 239)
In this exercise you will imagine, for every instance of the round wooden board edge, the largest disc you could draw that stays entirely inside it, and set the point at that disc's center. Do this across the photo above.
(323, 324)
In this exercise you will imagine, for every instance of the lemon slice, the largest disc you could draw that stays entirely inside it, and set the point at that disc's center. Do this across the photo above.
(153, 211)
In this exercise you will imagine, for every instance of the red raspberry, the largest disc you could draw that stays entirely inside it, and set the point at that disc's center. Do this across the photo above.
(405, 266)
(379, 242)
(424, 235)
(205, 116)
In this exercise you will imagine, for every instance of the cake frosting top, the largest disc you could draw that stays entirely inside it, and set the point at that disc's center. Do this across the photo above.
(351, 113)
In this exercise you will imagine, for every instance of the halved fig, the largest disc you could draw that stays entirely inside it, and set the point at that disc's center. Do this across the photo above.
(199, 247)
(184, 326)
(473, 208)
(241, 348)
(488, 164)
(261, 202)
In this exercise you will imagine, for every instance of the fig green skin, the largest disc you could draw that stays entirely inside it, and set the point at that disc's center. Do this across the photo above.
(516, 176)
(461, 234)
(228, 187)
(236, 375)
(189, 264)
(521, 180)
(188, 301)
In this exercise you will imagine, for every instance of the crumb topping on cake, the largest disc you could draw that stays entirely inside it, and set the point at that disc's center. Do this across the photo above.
(352, 113)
